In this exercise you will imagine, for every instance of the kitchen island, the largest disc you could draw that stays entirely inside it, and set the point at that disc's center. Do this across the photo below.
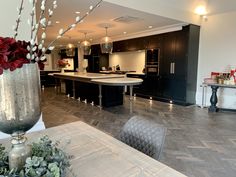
(104, 90)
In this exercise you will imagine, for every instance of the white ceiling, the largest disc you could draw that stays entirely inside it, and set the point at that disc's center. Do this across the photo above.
(107, 12)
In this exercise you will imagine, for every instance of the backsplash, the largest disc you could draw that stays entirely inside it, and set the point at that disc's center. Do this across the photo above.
(128, 61)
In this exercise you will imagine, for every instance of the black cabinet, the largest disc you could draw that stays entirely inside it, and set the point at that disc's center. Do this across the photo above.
(178, 62)
(178, 65)
(97, 60)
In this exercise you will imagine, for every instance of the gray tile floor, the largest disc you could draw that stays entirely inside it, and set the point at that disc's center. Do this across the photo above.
(198, 143)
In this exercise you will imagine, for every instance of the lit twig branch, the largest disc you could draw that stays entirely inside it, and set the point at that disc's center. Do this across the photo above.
(46, 23)
(18, 19)
(78, 20)
(37, 25)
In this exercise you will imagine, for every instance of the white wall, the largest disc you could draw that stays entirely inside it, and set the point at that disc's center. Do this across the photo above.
(128, 61)
(8, 18)
(217, 53)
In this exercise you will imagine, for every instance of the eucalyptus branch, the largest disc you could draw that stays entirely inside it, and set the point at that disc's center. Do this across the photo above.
(18, 19)
(78, 20)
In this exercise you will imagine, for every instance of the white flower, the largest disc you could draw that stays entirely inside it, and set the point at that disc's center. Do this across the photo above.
(32, 42)
(42, 42)
(28, 48)
(54, 2)
(77, 18)
(34, 48)
(28, 56)
(42, 7)
(36, 26)
(37, 59)
(50, 12)
(43, 35)
(59, 36)
(54, 6)
(43, 57)
(51, 47)
(32, 57)
(43, 22)
(91, 7)
(43, 49)
(61, 31)
(49, 23)
(73, 25)
(40, 46)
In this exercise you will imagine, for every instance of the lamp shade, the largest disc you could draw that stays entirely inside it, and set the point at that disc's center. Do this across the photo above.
(85, 45)
(106, 44)
(70, 50)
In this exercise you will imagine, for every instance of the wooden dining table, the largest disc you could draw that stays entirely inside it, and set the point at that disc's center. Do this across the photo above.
(97, 154)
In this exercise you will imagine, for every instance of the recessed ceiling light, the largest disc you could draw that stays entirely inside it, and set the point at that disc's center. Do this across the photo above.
(77, 12)
(201, 10)
(91, 39)
(124, 32)
(150, 26)
(57, 22)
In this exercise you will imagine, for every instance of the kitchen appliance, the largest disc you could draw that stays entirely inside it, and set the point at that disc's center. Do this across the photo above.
(152, 61)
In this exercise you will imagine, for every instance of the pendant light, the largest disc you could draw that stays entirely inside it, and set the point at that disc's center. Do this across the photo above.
(106, 44)
(70, 49)
(86, 46)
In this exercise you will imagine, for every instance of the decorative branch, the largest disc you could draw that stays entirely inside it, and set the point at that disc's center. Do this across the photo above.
(18, 19)
(77, 21)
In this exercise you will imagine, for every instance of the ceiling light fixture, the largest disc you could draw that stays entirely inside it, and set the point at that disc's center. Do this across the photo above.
(85, 45)
(150, 27)
(57, 22)
(106, 44)
(201, 8)
(77, 12)
(124, 32)
(70, 49)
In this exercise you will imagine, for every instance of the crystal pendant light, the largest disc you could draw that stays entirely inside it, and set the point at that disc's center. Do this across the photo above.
(70, 49)
(106, 44)
(86, 46)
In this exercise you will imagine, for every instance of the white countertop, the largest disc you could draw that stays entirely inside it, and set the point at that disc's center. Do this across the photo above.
(136, 73)
(118, 81)
(89, 75)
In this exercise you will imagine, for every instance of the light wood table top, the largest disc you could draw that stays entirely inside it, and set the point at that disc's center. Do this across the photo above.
(97, 154)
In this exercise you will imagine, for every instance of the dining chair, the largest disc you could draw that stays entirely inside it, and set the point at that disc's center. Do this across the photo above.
(144, 135)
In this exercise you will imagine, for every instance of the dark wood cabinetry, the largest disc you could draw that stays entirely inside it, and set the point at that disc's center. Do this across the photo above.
(97, 60)
(177, 77)
(178, 61)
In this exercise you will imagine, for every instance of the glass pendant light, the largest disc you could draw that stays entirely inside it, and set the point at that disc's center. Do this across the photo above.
(86, 46)
(70, 49)
(106, 44)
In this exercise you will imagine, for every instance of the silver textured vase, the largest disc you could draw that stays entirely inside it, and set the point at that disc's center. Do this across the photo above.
(20, 107)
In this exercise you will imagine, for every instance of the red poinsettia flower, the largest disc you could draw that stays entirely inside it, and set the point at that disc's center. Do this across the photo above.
(13, 54)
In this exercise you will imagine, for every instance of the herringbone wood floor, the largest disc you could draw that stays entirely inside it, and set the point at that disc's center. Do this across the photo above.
(198, 143)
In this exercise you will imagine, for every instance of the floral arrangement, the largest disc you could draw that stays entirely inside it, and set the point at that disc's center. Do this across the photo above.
(63, 63)
(47, 160)
(14, 53)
